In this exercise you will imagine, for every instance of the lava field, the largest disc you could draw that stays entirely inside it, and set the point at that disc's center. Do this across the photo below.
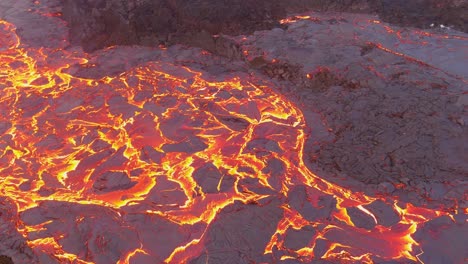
(202, 132)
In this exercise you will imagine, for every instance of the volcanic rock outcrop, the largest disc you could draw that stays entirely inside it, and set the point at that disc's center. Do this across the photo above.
(97, 24)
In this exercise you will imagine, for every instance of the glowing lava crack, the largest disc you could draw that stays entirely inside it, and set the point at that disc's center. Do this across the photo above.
(163, 145)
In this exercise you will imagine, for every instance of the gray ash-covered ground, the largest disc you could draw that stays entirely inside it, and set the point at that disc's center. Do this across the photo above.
(385, 108)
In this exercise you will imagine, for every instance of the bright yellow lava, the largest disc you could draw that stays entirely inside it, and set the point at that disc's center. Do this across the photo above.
(63, 138)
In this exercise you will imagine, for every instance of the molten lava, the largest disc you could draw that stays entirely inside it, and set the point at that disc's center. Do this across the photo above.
(167, 141)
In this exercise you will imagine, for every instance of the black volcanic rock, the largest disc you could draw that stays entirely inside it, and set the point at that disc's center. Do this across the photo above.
(209, 178)
(423, 13)
(92, 231)
(297, 239)
(256, 222)
(443, 241)
(5, 260)
(361, 219)
(112, 181)
(300, 198)
(13, 246)
(384, 213)
(97, 24)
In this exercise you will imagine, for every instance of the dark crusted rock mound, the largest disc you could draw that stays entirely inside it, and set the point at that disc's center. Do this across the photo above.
(101, 23)
(97, 24)
(5, 260)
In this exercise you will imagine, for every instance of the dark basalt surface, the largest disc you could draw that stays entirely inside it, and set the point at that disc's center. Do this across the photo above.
(97, 24)
(423, 13)
(5, 260)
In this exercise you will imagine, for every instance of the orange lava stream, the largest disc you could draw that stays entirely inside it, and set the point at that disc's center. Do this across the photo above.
(60, 135)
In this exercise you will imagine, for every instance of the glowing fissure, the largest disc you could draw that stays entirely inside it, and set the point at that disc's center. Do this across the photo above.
(66, 139)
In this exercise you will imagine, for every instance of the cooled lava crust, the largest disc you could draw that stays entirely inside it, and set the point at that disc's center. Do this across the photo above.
(175, 155)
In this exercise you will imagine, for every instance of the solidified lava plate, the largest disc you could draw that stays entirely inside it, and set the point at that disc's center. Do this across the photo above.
(166, 163)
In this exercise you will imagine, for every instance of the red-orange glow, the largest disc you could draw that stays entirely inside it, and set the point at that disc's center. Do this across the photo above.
(297, 18)
(166, 122)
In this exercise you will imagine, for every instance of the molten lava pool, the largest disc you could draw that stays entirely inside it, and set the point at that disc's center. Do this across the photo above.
(168, 164)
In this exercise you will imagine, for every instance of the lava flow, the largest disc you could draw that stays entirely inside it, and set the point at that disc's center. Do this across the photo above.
(136, 168)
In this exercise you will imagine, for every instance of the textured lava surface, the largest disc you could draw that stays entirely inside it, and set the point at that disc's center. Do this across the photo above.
(176, 155)
(96, 24)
